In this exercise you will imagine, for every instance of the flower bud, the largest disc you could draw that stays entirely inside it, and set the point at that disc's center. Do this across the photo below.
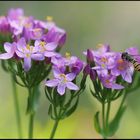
(93, 74)
(86, 70)
(90, 57)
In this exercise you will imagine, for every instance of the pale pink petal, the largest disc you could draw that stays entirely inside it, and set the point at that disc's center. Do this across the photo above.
(56, 72)
(21, 44)
(20, 54)
(37, 56)
(27, 63)
(6, 56)
(34, 49)
(127, 76)
(49, 54)
(117, 86)
(50, 46)
(61, 89)
(8, 47)
(72, 86)
(70, 76)
(52, 83)
(37, 42)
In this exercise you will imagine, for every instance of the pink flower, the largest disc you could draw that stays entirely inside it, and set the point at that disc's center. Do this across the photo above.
(62, 81)
(10, 50)
(27, 52)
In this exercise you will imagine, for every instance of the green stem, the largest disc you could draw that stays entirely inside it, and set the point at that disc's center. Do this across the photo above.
(122, 102)
(16, 104)
(107, 115)
(103, 119)
(31, 121)
(54, 129)
(31, 125)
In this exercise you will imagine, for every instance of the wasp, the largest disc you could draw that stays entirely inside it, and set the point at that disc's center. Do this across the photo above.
(129, 58)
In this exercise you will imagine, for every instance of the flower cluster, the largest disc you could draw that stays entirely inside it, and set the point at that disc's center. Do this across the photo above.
(109, 65)
(65, 70)
(32, 39)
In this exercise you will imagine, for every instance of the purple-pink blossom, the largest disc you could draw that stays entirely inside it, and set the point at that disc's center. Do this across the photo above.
(46, 49)
(10, 50)
(67, 63)
(27, 52)
(62, 81)
(109, 65)
(109, 82)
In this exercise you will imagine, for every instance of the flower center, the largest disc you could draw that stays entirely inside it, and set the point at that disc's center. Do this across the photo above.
(121, 65)
(28, 25)
(42, 46)
(63, 77)
(99, 46)
(28, 55)
(104, 60)
(103, 65)
(67, 55)
(28, 47)
(107, 81)
(49, 18)
(120, 61)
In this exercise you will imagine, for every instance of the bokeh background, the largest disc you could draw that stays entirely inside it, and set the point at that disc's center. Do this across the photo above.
(86, 24)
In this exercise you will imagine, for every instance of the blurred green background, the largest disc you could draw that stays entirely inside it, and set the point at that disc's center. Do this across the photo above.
(86, 24)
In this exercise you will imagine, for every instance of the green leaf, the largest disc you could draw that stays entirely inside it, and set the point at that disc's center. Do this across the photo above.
(73, 108)
(83, 81)
(4, 66)
(113, 126)
(33, 100)
(96, 123)
(50, 110)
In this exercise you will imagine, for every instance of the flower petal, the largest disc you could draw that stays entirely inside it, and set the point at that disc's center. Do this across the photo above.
(38, 57)
(51, 46)
(70, 76)
(52, 83)
(8, 47)
(72, 86)
(20, 54)
(27, 63)
(6, 56)
(117, 86)
(21, 44)
(56, 72)
(127, 76)
(49, 54)
(61, 89)
(37, 42)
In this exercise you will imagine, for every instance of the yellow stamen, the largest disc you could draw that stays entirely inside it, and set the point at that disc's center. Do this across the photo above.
(28, 25)
(28, 55)
(28, 46)
(42, 43)
(120, 61)
(42, 46)
(103, 65)
(67, 55)
(99, 46)
(121, 65)
(49, 18)
(64, 77)
(103, 59)
(107, 81)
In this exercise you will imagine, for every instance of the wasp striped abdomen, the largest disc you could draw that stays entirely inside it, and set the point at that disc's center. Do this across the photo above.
(136, 65)
(129, 58)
